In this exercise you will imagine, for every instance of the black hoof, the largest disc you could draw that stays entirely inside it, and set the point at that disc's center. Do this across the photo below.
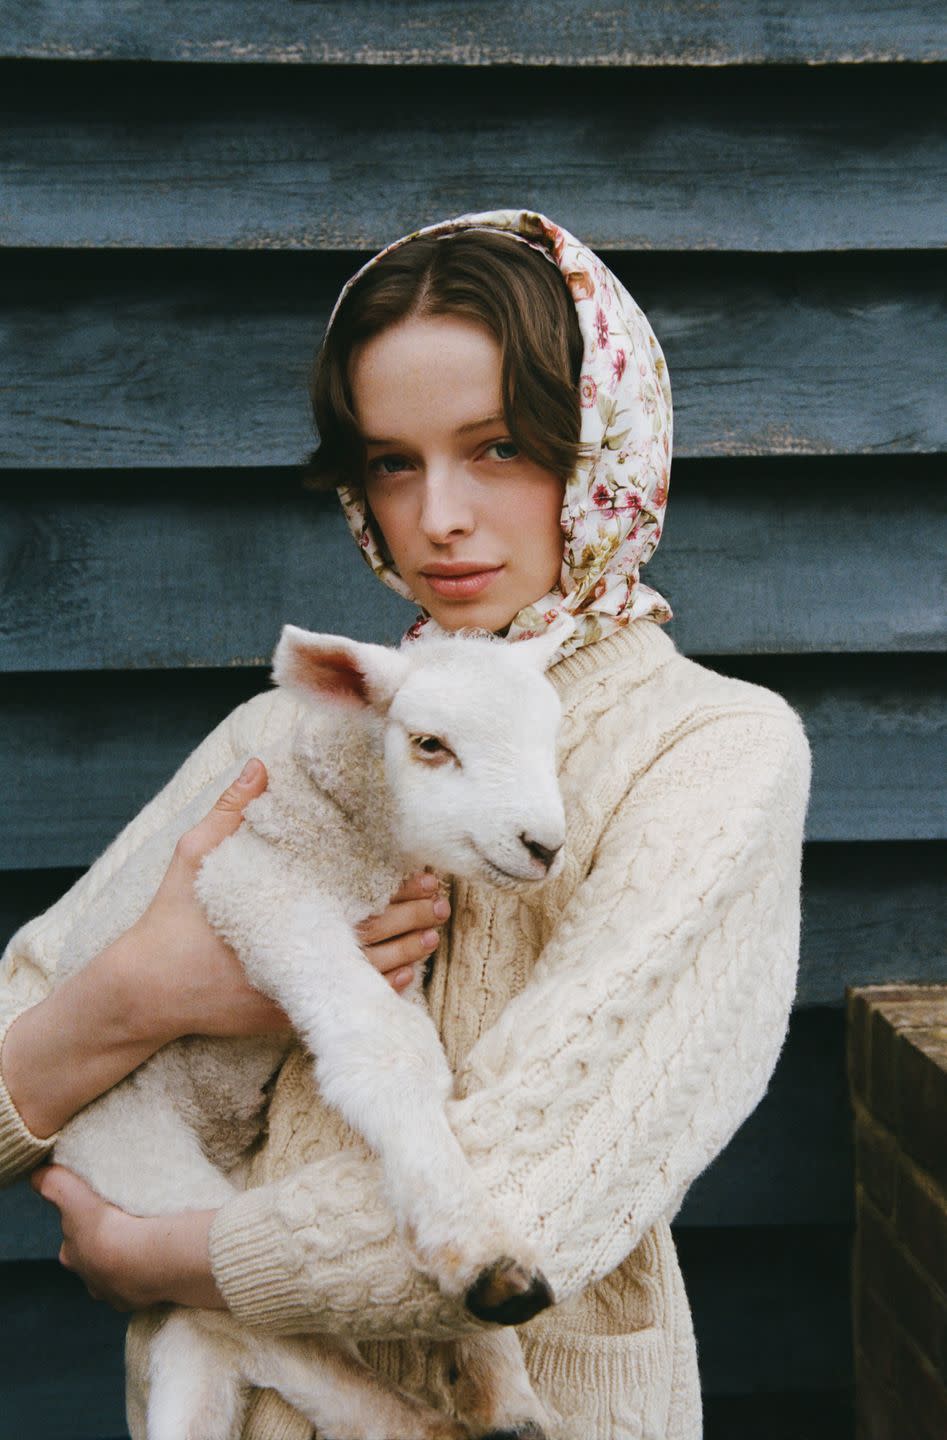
(529, 1431)
(508, 1295)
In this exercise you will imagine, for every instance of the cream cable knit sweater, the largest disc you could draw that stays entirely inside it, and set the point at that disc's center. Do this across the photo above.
(608, 1035)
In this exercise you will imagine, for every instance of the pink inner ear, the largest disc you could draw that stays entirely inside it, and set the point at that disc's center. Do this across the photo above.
(330, 672)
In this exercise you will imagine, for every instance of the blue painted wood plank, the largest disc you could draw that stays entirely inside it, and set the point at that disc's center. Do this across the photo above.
(871, 914)
(876, 727)
(784, 1324)
(266, 160)
(162, 570)
(203, 360)
(61, 1364)
(791, 1162)
(561, 32)
(781, 1415)
(83, 753)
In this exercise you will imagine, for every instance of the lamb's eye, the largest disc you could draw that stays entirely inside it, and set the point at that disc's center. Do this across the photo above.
(432, 748)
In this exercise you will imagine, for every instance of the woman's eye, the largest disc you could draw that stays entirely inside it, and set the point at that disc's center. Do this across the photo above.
(506, 450)
(387, 464)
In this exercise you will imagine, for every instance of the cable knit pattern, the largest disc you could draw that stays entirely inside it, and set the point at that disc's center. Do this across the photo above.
(608, 1034)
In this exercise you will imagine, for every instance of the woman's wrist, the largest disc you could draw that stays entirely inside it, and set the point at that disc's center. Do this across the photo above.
(89, 1033)
(169, 1260)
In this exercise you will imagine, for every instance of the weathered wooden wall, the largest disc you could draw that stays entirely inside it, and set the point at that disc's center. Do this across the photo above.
(183, 189)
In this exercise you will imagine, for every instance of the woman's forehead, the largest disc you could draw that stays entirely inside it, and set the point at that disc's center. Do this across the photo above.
(442, 367)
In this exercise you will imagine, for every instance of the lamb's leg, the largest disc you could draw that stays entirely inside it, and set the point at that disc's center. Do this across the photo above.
(379, 1061)
(326, 1380)
(492, 1389)
(196, 1389)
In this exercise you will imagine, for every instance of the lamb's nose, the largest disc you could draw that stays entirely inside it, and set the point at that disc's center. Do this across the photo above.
(540, 852)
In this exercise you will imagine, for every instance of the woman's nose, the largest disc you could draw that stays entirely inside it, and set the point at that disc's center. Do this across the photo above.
(447, 512)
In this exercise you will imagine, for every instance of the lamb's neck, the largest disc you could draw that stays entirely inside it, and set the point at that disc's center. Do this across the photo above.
(342, 754)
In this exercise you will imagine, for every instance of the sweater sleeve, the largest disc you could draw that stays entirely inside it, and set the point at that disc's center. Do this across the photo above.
(31, 958)
(647, 1033)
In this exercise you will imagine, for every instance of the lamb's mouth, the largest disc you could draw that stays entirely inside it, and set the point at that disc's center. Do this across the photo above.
(506, 877)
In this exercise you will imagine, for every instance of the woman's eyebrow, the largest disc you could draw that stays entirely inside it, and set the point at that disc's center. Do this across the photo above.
(478, 424)
(461, 430)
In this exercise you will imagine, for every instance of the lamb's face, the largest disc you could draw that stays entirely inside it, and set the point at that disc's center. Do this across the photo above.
(470, 755)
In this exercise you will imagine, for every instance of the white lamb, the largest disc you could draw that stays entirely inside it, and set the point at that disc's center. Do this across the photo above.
(441, 753)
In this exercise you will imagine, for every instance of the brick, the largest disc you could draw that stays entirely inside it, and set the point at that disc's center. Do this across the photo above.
(899, 1396)
(922, 1099)
(858, 1023)
(921, 1222)
(888, 1273)
(897, 1037)
(876, 1160)
(876, 1339)
(883, 1045)
(877, 1411)
(924, 1398)
(909, 1007)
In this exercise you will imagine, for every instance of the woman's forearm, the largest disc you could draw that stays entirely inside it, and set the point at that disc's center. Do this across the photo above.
(90, 1032)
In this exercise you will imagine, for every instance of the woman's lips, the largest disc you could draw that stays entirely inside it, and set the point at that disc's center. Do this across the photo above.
(461, 587)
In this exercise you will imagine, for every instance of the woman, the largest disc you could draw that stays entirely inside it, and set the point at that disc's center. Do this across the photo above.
(496, 412)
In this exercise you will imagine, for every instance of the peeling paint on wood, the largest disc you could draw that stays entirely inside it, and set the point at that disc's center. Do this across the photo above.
(561, 32)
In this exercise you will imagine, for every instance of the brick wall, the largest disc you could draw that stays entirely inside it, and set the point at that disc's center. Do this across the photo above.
(897, 1046)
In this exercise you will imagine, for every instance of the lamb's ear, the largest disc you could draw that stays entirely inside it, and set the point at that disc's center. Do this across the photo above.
(332, 667)
(541, 650)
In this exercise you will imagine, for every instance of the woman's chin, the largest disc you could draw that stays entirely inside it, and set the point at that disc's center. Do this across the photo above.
(471, 616)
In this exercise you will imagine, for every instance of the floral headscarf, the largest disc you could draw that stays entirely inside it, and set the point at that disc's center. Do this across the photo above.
(614, 501)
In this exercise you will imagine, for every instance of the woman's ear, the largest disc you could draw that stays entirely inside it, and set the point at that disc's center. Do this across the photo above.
(332, 667)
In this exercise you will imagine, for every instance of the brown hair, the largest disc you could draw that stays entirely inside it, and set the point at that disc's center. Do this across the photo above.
(491, 279)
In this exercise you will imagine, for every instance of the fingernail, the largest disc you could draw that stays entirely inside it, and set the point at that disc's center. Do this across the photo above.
(430, 937)
(402, 977)
(429, 883)
(441, 909)
(249, 772)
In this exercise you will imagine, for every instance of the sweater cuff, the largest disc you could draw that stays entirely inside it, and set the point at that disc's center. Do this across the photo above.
(305, 1254)
(20, 1149)
(250, 1262)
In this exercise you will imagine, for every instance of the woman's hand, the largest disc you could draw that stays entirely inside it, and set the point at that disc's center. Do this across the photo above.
(191, 982)
(128, 1261)
(405, 932)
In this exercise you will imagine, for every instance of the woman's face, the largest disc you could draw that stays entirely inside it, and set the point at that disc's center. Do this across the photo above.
(471, 524)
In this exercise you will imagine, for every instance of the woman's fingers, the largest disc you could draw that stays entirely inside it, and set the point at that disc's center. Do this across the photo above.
(406, 931)
(404, 917)
(226, 815)
(417, 886)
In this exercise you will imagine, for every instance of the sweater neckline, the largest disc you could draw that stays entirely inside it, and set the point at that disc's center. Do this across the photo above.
(641, 645)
